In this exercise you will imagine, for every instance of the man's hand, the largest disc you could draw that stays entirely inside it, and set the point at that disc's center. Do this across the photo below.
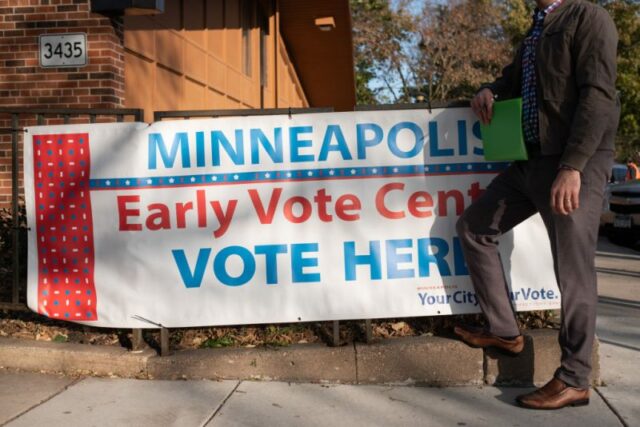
(565, 192)
(482, 105)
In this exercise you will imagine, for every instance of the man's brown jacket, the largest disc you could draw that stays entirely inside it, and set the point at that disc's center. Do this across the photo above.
(578, 107)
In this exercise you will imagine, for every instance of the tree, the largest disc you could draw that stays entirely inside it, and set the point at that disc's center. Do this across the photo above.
(516, 19)
(447, 49)
(626, 15)
(463, 45)
(381, 38)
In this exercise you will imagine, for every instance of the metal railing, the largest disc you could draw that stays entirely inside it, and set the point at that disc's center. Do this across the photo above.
(416, 106)
(192, 114)
(39, 116)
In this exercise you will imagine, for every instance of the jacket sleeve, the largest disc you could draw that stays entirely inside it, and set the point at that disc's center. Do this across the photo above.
(502, 87)
(594, 56)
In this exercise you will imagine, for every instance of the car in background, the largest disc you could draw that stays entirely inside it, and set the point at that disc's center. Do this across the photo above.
(620, 219)
(618, 173)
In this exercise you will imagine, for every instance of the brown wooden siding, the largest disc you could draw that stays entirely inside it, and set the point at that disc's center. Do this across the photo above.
(191, 57)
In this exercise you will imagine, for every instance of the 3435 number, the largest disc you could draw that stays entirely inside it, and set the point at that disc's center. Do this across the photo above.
(63, 50)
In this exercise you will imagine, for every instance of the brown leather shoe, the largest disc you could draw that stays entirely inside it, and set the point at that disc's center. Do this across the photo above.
(477, 337)
(554, 395)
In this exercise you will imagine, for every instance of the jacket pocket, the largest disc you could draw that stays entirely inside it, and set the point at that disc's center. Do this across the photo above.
(555, 125)
(554, 64)
(556, 87)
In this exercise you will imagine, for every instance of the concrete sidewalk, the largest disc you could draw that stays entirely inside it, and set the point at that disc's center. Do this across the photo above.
(28, 399)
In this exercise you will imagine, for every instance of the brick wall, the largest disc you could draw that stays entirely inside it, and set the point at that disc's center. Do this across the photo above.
(23, 83)
(100, 84)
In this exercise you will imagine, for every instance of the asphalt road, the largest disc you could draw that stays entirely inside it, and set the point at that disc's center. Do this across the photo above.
(618, 328)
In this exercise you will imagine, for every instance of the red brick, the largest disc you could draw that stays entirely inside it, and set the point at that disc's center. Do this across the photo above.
(66, 99)
(37, 16)
(26, 54)
(47, 100)
(13, 33)
(101, 61)
(68, 8)
(89, 99)
(99, 30)
(14, 17)
(110, 67)
(67, 84)
(90, 68)
(23, 100)
(101, 45)
(77, 15)
(53, 76)
(14, 77)
(26, 40)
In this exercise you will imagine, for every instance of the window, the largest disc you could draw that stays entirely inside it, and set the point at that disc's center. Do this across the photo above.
(247, 14)
(264, 39)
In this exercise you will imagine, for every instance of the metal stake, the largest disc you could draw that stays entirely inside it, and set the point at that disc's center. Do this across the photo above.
(368, 331)
(137, 342)
(14, 210)
(164, 342)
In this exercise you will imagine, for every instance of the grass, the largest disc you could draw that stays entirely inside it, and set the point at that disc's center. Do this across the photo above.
(224, 341)
(60, 338)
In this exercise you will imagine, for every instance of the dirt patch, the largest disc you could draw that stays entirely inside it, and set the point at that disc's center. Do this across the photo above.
(28, 325)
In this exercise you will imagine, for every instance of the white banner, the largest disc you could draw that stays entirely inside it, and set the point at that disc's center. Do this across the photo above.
(264, 219)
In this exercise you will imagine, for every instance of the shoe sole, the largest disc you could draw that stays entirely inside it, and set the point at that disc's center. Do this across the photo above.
(507, 352)
(499, 349)
(577, 403)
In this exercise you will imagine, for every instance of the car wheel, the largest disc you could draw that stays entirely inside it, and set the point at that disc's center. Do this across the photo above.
(623, 238)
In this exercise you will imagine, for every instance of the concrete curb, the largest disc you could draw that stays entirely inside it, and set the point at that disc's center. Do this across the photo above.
(73, 359)
(297, 363)
(433, 361)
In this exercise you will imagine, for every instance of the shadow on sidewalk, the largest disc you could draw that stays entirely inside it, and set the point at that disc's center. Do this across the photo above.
(511, 375)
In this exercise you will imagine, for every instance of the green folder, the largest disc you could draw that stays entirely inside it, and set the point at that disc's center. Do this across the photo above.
(502, 139)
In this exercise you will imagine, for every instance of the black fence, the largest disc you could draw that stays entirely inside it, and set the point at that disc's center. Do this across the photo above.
(17, 119)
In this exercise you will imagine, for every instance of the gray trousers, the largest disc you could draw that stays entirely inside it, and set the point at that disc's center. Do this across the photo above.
(513, 196)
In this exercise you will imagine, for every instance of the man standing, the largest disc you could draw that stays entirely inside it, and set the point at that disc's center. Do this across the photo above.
(565, 72)
(632, 170)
